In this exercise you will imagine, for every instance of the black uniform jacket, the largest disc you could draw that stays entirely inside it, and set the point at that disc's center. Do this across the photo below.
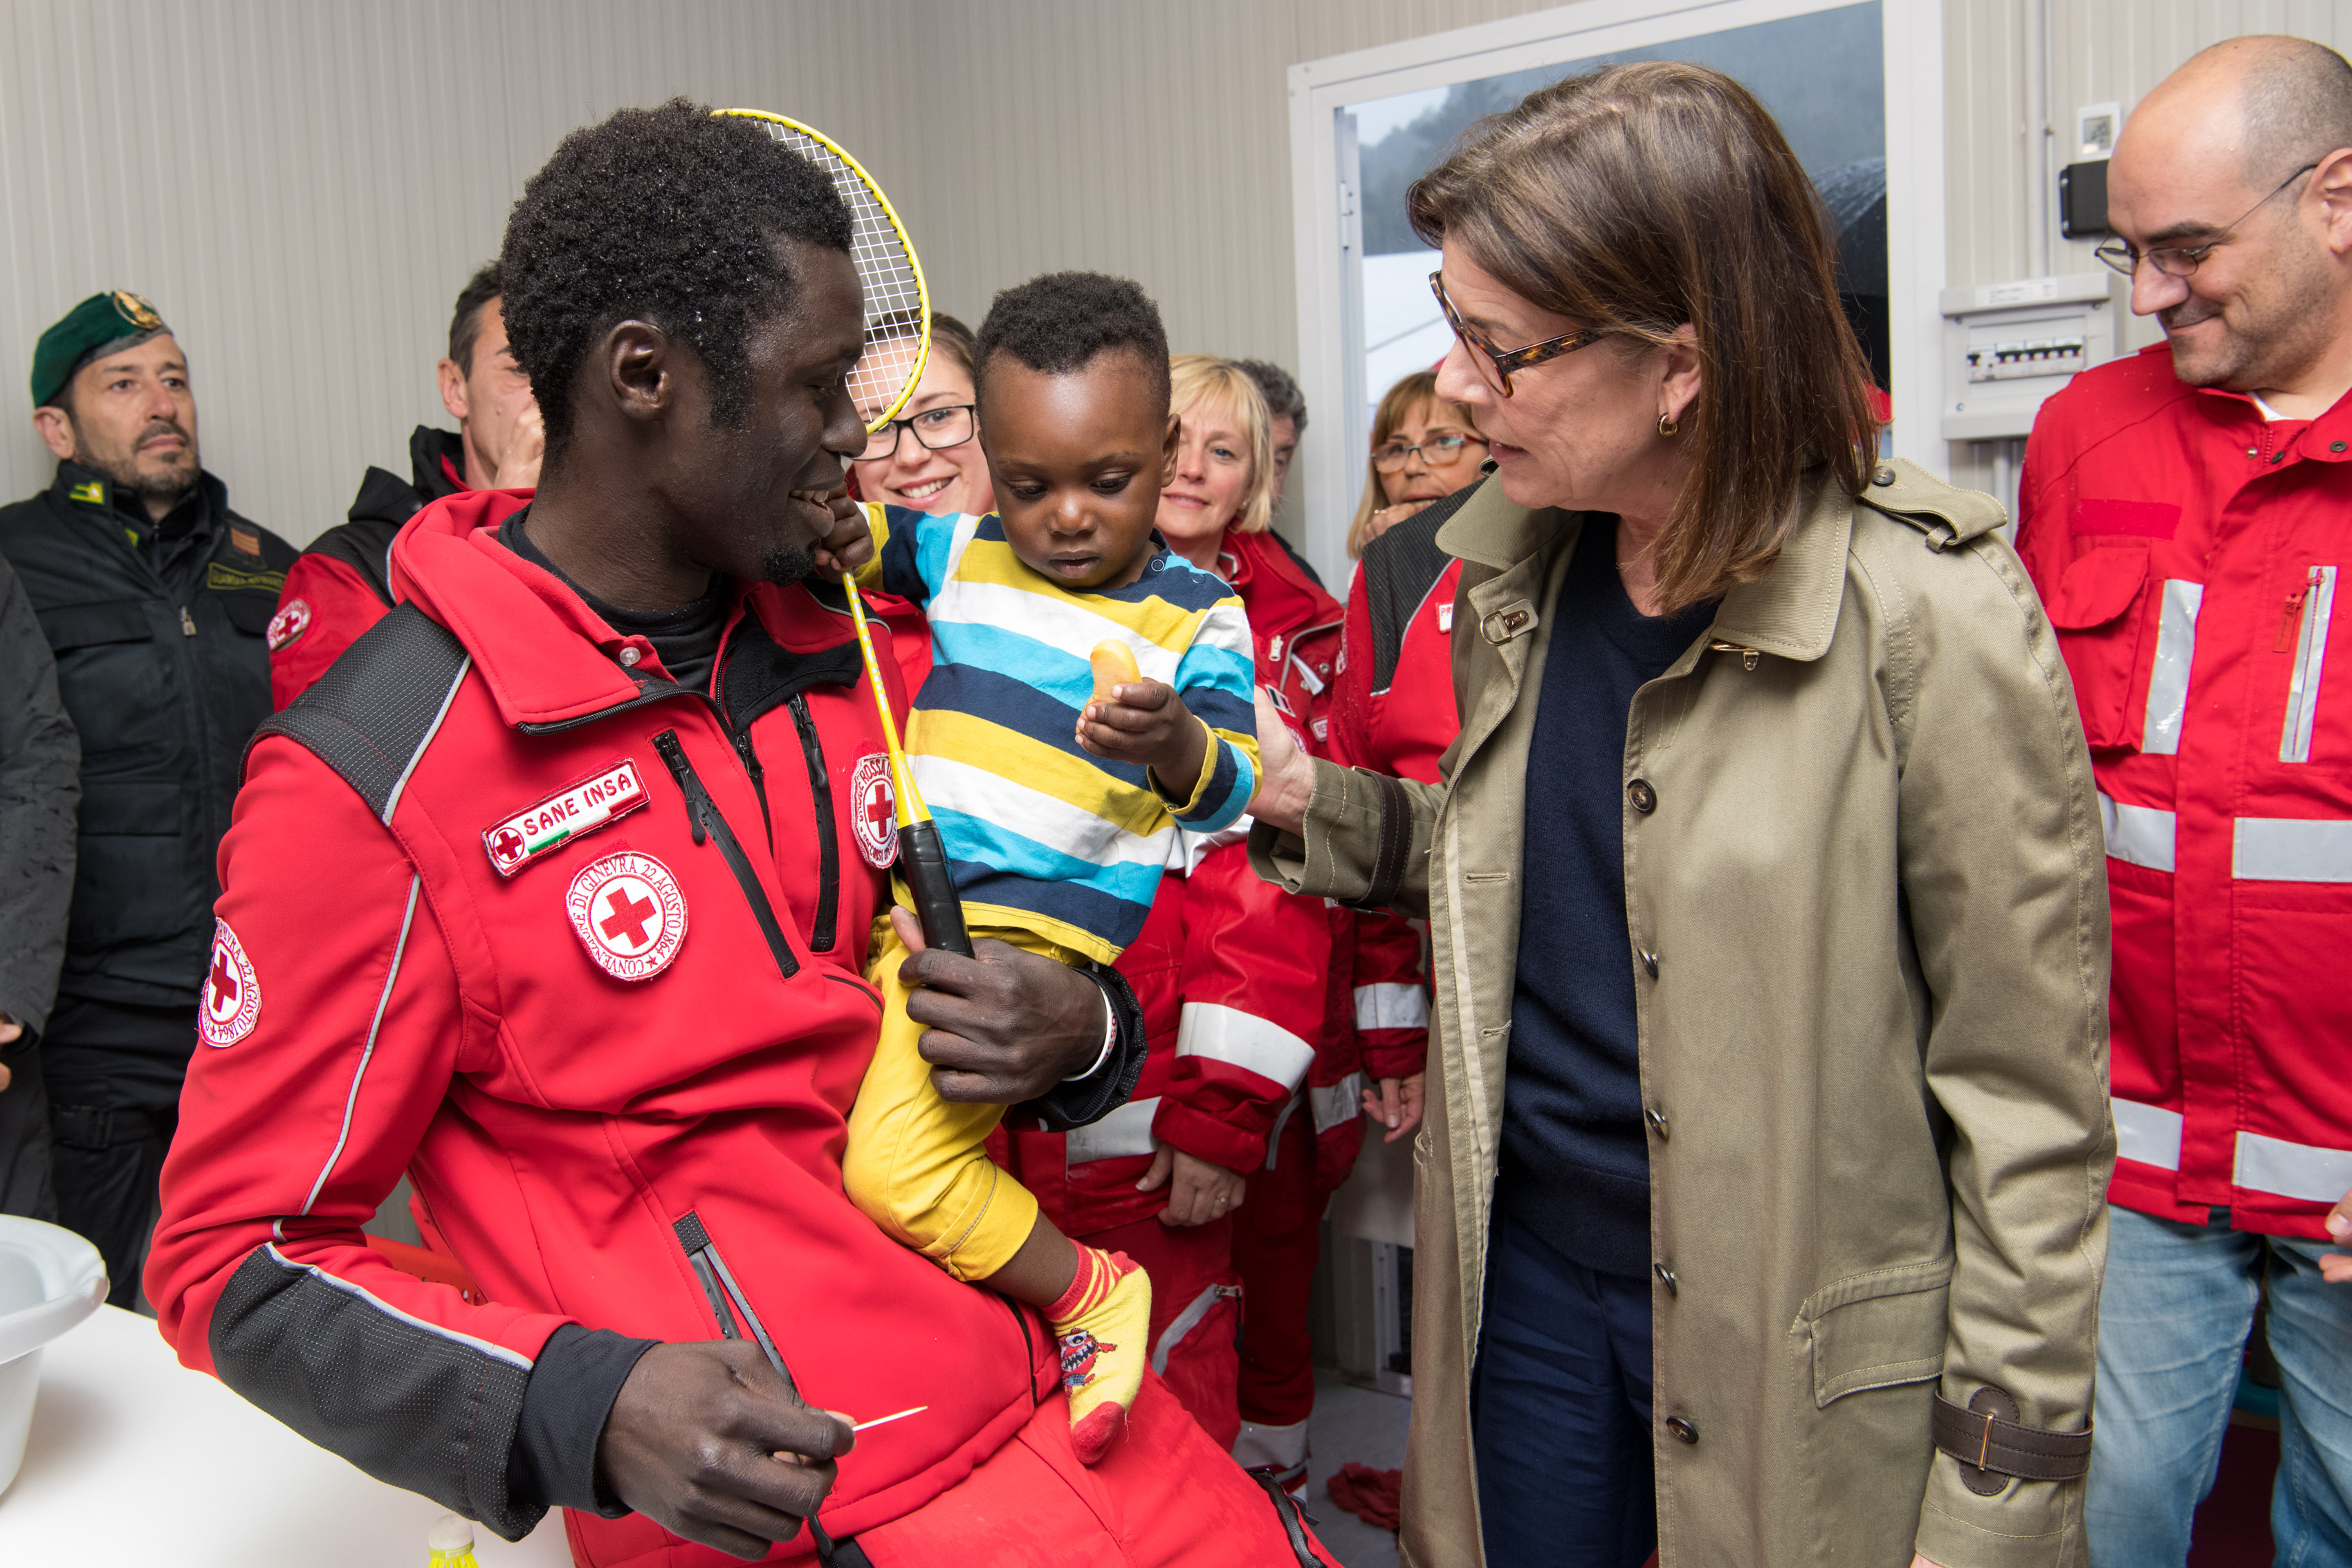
(165, 671)
(40, 785)
(385, 501)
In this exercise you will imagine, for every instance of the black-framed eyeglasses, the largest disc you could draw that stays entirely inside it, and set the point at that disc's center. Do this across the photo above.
(1436, 451)
(1495, 365)
(2181, 261)
(934, 429)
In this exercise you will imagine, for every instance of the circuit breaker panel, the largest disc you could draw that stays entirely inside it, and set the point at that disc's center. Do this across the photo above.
(2007, 346)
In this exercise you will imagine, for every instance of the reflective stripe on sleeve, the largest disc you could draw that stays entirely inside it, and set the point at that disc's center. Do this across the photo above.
(2292, 849)
(2139, 834)
(2168, 683)
(1392, 1006)
(1244, 1041)
(2148, 1134)
(2291, 1170)
(1125, 1132)
(1339, 1104)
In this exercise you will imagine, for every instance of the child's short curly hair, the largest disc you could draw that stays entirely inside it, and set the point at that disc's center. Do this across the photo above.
(1059, 323)
(671, 215)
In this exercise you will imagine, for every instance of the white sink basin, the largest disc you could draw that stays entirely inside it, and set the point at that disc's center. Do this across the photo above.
(50, 1279)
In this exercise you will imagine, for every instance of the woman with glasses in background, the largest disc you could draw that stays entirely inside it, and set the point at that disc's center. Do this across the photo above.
(1760, 1199)
(1422, 448)
(927, 459)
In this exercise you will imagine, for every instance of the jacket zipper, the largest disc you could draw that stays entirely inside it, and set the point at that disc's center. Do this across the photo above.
(703, 813)
(821, 930)
(719, 1284)
(2318, 597)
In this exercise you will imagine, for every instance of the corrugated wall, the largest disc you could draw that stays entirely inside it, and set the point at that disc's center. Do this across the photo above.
(301, 186)
(2101, 51)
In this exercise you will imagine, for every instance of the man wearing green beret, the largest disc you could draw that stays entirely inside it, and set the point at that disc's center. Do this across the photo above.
(156, 600)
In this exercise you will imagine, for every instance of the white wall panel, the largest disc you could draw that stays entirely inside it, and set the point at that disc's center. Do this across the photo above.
(301, 186)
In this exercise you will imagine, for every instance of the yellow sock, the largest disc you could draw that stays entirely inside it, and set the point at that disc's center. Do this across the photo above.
(1103, 1324)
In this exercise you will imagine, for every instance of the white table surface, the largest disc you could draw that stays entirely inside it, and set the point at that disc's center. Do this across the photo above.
(136, 1459)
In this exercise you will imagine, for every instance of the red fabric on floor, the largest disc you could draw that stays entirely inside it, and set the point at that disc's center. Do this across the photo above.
(1372, 1496)
(2233, 1522)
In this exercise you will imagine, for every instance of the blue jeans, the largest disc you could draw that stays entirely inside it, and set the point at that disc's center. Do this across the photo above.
(2173, 1321)
(1560, 1410)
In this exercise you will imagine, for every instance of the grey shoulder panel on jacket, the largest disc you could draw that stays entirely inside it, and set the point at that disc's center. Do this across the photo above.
(1944, 513)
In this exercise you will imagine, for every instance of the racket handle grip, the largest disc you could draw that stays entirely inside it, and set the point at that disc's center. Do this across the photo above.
(923, 863)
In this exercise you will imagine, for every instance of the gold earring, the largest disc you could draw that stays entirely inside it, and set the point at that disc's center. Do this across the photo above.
(1667, 425)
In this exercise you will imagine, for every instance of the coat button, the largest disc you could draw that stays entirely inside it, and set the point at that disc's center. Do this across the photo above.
(629, 657)
(1649, 963)
(1885, 475)
(1658, 1120)
(1682, 1430)
(1666, 1278)
(1644, 799)
(2335, 446)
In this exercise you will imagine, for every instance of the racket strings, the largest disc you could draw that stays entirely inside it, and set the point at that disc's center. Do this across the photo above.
(886, 269)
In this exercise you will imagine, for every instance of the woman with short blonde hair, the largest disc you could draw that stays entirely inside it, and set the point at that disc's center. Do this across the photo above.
(1224, 472)
(1760, 1202)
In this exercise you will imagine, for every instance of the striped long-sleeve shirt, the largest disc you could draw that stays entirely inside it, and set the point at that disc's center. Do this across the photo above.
(1043, 834)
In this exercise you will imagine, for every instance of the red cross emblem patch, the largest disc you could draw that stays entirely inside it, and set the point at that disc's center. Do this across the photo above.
(232, 996)
(293, 619)
(873, 811)
(629, 912)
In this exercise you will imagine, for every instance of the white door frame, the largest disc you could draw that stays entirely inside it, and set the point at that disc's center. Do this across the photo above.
(1913, 35)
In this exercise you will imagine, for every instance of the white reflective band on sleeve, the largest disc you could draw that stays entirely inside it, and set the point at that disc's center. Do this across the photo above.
(1245, 1041)
(2291, 1170)
(2140, 834)
(2310, 656)
(1186, 1322)
(1390, 1006)
(2292, 849)
(2148, 1134)
(2175, 650)
(1125, 1132)
(1342, 1103)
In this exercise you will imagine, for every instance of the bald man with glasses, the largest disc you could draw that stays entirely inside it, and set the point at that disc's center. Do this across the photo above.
(2186, 513)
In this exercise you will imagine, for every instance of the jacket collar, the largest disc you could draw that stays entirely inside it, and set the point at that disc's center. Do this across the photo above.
(85, 490)
(546, 657)
(1791, 611)
(1275, 589)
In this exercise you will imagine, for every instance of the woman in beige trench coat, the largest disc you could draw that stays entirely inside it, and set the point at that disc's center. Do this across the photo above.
(1834, 978)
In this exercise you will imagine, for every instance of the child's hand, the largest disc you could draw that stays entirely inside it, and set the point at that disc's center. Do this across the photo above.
(850, 543)
(1145, 721)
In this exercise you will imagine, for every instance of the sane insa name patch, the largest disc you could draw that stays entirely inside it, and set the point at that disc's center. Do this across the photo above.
(603, 798)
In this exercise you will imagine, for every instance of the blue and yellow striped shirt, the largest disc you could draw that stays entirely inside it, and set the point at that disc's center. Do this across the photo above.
(1043, 834)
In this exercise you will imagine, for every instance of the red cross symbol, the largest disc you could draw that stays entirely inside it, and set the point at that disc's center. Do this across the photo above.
(223, 983)
(508, 845)
(877, 809)
(628, 919)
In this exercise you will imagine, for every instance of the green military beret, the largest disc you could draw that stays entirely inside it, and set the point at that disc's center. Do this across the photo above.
(99, 323)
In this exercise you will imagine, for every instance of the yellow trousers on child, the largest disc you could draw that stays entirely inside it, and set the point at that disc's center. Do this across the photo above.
(915, 1164)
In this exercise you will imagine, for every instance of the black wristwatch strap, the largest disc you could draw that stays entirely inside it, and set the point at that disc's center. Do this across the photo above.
(1991, 1445)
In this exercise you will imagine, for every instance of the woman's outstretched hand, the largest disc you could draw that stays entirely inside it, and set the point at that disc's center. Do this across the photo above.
(1285, 776)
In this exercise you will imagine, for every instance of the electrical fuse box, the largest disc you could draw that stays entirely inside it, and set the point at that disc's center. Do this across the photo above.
(2007, 346)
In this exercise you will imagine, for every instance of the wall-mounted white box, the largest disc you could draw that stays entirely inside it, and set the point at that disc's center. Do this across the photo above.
(2007, 346)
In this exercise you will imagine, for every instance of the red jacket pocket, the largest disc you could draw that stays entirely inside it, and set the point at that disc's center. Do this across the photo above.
(2096, 611)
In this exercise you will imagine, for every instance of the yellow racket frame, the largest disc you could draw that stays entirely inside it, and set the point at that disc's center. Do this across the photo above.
(905, 242)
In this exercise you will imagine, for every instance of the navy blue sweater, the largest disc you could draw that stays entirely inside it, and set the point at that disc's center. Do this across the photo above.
(1575, 1162)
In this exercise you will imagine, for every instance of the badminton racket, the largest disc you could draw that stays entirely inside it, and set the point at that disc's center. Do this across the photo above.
(898, 345)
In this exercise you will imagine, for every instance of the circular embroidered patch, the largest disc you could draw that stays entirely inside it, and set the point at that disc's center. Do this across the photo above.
(874, 810)
(629, 914)
(293, 619)
(232, 998)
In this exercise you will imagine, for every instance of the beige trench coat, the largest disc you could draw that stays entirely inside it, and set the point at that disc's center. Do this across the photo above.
(1866, 861)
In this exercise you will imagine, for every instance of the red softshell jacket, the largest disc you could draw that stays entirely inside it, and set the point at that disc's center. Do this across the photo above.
(618, 1076)
(2190, 554)
(1392, 712)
